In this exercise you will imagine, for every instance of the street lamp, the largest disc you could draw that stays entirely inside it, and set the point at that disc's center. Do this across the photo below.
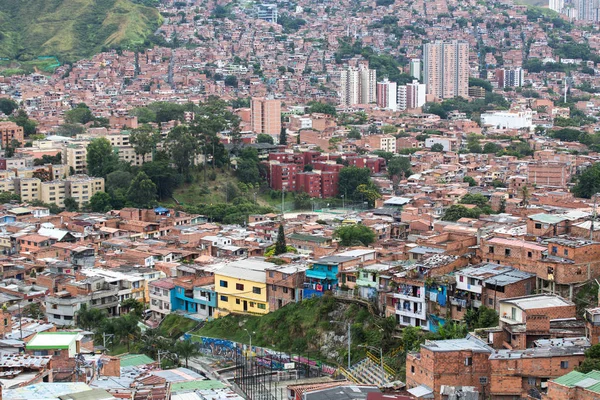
(366, 346)
(349, 338)
(250, 336)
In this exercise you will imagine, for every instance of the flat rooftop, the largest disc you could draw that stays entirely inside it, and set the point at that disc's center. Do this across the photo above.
(538, 301)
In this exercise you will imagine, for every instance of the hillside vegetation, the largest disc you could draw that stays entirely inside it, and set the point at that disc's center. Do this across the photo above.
(305, 328)
(71, 29)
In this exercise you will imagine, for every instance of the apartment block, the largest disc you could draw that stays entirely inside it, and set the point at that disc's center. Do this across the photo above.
(10, 131)
(53, 192)
(266, 116)
(75, 157)
(387, 95)
(446, 68)
(411, 95)
(358, 85)
(82, 188)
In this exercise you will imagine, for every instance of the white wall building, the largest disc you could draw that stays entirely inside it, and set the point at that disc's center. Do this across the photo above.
(508, 119)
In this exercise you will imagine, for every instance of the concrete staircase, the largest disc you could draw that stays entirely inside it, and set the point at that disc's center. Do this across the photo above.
(368, 372)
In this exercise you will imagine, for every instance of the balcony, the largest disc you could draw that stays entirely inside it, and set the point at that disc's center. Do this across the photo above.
(411, 297)
(418, 313)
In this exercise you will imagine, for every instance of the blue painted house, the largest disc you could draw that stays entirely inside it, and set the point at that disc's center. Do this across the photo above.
(194, 298)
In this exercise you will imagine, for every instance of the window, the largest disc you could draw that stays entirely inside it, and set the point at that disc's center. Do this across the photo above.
(538, 225)
(261, 306)
(529, 254)
(224, 298)
(564, 364)
(274, 288)
(412, 369)
(271, 274)
(461, 278)
(531, 381)
(237, 301)
(513, 313)
(256, 290)
(566, 252)
(239, 286)
(469, 361)
(491, 249)
(223, 283)
(507, 252)
(554, 249)
(252, 304)
(285, 290)
(491, 302)
(57, 352)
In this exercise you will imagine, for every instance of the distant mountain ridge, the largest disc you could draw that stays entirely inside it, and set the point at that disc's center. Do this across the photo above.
(71, 29)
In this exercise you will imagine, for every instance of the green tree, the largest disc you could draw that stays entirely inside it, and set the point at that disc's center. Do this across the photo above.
(280, 245)
(22, 119)
(456, 212)
(588, 183)
(302, 201)
(186, 349)
(7, 106)
(474, 198)
(354, 134)
(118, 180)
(71, 204)
(351, 178)
(323, 108)
(264, 138)
(490, 148)
(368, 192)
(183, 148)
(144, 140)
(131, 305)
(437, 148)
(33, 310)
(142, 191)
(399, 166)
(591, 361)
(79, 115)
(354, 235)
(90, 318)
(101, 159)
(164, 177)
(9, 150)
(144, 115)
(70, 130)
(100, 202)
(470, 180)
(283, 136)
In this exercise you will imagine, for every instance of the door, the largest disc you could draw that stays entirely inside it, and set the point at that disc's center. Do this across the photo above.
(245, 305)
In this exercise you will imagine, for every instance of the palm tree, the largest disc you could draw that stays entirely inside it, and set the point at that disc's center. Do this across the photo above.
(90, 318)
(186, 349)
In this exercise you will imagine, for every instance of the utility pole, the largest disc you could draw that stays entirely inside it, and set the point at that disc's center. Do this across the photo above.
(105, 336)
(349, 342)
(593, 217)
(160, 352)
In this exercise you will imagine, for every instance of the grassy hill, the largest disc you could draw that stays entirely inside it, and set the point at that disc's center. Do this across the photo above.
(305, 327)
(71, 29)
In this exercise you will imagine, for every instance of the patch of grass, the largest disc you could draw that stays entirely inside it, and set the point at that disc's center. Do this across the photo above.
(175, 325)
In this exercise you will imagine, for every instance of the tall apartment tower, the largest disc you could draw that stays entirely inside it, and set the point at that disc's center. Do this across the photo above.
(358, 85)
(387, 95)
(411, 95)
(266, 116)
(587, 10)
(446, 68)
(415, 68)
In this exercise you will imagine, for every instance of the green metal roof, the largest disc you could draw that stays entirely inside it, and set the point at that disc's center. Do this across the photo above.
(196, 385)
(589, 381)
(309, 238)
(51, 340)
(134, 360)
(547, 218)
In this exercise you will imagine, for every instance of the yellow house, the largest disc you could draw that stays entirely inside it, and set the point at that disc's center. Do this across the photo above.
(241, 287)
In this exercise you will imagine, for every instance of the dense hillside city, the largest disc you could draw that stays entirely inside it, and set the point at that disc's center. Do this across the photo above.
(299, 199)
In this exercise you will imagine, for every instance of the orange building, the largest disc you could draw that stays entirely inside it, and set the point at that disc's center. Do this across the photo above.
(9, 131)
(266, 116)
